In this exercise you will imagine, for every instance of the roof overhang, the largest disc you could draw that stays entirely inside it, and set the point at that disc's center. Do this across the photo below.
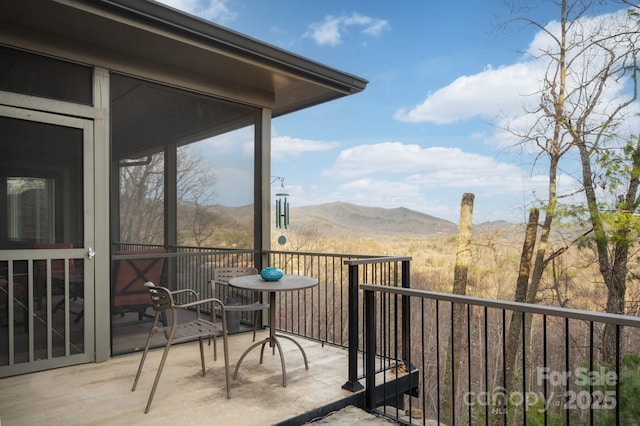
(152, 33)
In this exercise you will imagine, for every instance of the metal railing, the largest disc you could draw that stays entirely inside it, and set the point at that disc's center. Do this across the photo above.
(471, 365)
(192, 267)
(407, 341)
(330, 313)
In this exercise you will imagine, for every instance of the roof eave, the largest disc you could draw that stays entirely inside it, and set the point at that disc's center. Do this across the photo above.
(238, 43)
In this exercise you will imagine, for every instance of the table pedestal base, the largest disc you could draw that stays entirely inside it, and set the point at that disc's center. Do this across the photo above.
(274, 343)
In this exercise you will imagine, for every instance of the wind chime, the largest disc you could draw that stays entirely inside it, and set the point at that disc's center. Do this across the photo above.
(282, 209)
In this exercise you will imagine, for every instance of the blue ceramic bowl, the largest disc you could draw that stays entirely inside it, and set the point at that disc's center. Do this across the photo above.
(271, 274)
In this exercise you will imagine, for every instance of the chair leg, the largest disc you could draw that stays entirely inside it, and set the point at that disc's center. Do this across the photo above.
(155, 382)
(144, 354)
(215, 348)
(226, 365)
(225, 344)
(201, 342)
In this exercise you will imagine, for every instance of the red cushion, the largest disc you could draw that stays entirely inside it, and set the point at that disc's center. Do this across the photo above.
(4, 290)
(129, 289)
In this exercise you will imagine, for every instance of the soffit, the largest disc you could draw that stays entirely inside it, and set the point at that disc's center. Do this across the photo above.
(164, 37)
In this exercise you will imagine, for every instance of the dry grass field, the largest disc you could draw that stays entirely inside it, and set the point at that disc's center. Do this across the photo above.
(572, 280)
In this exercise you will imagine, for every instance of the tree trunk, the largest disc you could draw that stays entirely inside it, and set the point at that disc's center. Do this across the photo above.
(616, 292)
(613, 274)
(513, 344)
(456, 342)
(617, 285)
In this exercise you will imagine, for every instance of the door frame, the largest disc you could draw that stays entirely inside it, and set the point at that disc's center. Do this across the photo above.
(86, 125)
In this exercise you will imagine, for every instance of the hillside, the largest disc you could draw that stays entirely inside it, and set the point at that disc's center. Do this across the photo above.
(339, 220)
(335, 219)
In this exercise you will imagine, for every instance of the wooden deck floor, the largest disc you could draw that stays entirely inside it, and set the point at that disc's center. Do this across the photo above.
(100, 393)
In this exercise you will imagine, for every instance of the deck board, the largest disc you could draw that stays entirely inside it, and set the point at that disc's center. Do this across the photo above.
(100, 393)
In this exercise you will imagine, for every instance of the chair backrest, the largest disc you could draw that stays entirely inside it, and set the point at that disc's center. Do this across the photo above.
(130, 276)
(161, 299)
(223, 275)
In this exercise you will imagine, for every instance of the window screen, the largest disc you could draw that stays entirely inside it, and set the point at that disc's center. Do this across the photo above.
(37, 75)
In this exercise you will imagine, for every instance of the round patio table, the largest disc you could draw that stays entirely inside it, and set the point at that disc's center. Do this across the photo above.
(288, 282)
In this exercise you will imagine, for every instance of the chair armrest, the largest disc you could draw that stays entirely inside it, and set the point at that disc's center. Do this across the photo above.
(197, 303)
(187, 290)
(150, 284)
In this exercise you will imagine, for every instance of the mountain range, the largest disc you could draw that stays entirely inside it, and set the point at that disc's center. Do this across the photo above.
(340, 219)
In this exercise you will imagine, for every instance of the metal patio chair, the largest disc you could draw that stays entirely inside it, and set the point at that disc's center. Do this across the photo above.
(162, 301)
(221, 276)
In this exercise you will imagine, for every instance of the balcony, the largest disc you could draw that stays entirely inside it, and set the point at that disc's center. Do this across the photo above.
(100, 393)
(371, 341)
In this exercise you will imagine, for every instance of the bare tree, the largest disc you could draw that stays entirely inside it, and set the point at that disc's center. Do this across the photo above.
(141, 200)
(583, 110)
(142, 190)
(461, 271)
(194, 188)
(515, 325)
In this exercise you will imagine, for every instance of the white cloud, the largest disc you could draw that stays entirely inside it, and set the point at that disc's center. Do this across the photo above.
(431, 180)
(286, 147)
(489, 94)
(330, 31)
(212, 10)
(325, 33)
(434, 167)
(504, 94)
(383, 193)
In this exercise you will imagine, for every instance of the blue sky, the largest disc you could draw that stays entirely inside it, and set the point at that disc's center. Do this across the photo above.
(442, 78)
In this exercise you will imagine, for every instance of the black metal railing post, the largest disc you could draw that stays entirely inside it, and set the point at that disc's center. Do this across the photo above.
(370, 356)
(406, 313)
(352, 383)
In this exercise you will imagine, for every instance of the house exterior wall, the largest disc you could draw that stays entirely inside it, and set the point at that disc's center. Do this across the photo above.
(99, 113)
(149, 41)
